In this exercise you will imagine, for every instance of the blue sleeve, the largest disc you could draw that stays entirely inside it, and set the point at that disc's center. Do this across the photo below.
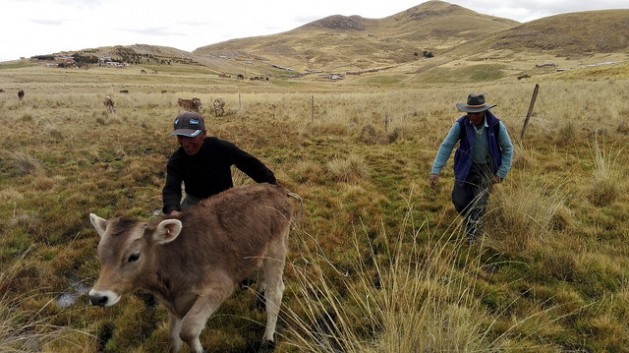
(506, 151)
(446, 149)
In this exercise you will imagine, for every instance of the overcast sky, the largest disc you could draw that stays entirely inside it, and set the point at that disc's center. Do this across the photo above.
(34, 27)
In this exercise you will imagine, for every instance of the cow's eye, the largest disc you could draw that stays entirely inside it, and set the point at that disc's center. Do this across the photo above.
(133, 257)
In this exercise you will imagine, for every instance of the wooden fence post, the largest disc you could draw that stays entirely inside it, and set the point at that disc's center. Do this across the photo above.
(528, 114)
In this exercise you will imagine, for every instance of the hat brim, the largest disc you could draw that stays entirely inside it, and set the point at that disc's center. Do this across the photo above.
(474, 109)
(186, 132)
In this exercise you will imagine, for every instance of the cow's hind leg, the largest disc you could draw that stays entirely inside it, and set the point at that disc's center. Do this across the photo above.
(259, 288)
(274, 283)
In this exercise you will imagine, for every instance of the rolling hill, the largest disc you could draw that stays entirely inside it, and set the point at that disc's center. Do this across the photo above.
(434, 34)
(571, 34)
(342, 44)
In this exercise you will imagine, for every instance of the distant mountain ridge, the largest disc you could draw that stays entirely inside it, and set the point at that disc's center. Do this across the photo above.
(340, 44)
(592, 31)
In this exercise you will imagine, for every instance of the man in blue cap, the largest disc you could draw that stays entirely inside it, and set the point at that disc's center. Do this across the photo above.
(483, 158)
(203, 164)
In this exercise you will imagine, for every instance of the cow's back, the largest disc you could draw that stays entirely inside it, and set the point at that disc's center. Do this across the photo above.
(233, 230)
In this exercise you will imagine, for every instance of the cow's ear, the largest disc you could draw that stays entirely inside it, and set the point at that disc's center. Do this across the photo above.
(167, 231)
(99, 223)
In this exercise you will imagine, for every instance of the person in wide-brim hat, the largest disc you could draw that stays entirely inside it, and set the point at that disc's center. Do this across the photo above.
(483, 158)
(475, 104)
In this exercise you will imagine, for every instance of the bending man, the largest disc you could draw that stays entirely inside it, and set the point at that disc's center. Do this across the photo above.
(203, 164)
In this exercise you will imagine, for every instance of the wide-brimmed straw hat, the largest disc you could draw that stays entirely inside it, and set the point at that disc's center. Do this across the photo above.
(475, 104)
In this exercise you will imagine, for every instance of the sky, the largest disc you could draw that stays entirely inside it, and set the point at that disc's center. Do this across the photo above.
(36, 27)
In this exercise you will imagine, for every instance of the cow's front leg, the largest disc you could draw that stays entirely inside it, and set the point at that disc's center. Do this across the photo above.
(194, 321)
(174, 327)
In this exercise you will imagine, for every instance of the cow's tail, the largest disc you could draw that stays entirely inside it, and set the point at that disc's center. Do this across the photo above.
(300, 214)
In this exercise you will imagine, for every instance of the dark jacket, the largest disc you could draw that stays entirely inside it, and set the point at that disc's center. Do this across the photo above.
(463, 154)
(208, 172)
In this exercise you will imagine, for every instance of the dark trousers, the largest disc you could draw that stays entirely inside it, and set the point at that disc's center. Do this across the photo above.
(470, 197)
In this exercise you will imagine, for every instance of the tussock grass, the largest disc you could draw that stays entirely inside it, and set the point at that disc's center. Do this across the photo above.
(21, 163)
(406, 298)
(308, 171)
(605, 186)
(524, 214)
(348, 170)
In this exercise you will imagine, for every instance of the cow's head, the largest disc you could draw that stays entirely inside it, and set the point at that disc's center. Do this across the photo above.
(125, 251)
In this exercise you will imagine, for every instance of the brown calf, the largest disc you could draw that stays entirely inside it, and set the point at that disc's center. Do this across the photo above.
(194, 261)
(109, 105)
(219, 105)
(193, 104)
(20, 94)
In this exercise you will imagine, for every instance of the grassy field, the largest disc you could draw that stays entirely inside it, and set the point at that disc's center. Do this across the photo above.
(377, 263)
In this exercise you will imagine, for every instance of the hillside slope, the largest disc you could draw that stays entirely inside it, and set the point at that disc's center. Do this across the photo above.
(340, 43)
(572, 34)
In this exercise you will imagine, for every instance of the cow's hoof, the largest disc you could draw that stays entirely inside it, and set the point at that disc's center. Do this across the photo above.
(266, 347)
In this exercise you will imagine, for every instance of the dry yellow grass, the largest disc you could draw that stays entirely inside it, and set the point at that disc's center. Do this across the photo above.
(550, 274)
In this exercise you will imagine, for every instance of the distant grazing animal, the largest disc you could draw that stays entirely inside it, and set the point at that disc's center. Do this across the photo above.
(193, 262)
(219, 105)
(193, 104)
(109, 105)
(1, 90)
(164, 91)
(20, 94)
(124, 91)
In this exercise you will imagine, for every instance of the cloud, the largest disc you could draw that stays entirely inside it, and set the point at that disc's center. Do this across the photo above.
(155, 32)
(528, 10)
(46, 22)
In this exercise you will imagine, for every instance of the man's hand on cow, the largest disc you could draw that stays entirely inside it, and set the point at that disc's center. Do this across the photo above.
(174, 213)
(433, 180)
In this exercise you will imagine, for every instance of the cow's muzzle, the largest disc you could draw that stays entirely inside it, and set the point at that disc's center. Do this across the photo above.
(100, 300)
(103, 298)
